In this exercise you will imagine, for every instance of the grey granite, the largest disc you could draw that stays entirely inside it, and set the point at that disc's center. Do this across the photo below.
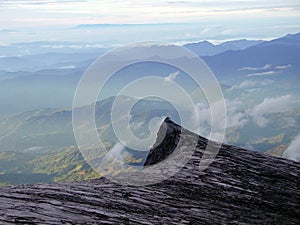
(240, 187)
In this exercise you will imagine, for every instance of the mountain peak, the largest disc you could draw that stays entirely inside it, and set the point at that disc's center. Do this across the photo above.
(240, 187)
(167, 139)
(295, 37)
(206, 48)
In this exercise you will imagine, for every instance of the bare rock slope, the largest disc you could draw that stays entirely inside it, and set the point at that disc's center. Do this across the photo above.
(240, 187)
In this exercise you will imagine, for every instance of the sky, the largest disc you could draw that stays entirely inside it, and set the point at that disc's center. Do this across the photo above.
(175, 20)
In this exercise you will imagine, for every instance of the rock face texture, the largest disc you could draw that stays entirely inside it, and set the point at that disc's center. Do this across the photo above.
(164, 147)
(240, 187)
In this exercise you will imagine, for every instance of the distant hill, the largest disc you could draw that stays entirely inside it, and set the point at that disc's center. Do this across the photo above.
(48, 61)
(272, 68)
(39, 145)
(41, 142)
(206, 48)
(277, 59)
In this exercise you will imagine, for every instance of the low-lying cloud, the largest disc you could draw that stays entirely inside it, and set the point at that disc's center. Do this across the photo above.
(284, 67)
(172, 76)
(238, 116)
(293, 151)
(251, 84)
(268, 106)
(266, 70)
(116, 154)
(272, 72)
(234, 116)
(267, 66)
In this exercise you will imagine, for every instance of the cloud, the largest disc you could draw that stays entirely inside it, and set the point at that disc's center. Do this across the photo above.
(238, 114)
(235, 117)
(251, 84)
(172, 76)
(244, 84)
(267, 66)
(203, 113)
(284, 67)
(65, 15)
(116, 154)
(8, 31)
(268, 69)
(38, 2)
(262, 74)
(269, 106)
(266, 82)
(72, 46)
(293, 151)
(190, 21)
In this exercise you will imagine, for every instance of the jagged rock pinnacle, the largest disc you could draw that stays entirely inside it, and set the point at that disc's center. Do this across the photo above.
(167, 140)
(239, 187)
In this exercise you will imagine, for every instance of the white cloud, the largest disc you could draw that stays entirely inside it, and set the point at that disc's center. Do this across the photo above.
(244, 84)
(270, 69)
(203, 113)
(293, 151)
(116, 154)
(237, 116)
(251, 84)
(283, 67)
(172, 76)
(234, 116)
(266, 82)
(183, 21)
(271, 72)
(266, 67)
(251, 90)
(269, 106)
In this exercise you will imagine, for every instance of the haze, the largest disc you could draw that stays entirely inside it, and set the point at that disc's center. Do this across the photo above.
(173, 21)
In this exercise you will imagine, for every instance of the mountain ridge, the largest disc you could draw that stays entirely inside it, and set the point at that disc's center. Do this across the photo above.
(205, 48)
(281, 55)
(240, 187)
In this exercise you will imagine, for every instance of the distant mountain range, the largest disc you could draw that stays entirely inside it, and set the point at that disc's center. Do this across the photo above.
(45, 138)
(49, 129)
(277, 59)
(39, 89)
(206, 48)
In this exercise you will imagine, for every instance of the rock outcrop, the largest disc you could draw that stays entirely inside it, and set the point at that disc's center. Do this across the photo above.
(240, 187)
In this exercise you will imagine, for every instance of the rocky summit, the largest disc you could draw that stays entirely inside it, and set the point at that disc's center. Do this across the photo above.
(239, 187)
